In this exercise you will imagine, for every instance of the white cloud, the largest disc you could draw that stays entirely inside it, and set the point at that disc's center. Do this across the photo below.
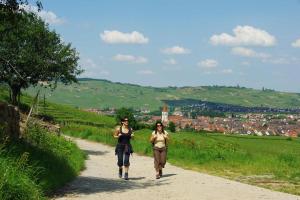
(277, 61)
(245, 63)
(176, 50)
(209, 72)
(171, 68)
(117, 37)
(48, 16)
(296, 43)
(246, 52)
(130, 58)
(227, 71)
(145, 72)
(95, 74)
(283, 60)
(170, 61)
(141, 60)
(92, 69)
(264, 57)
(208, 63)
(89, 63)
(244, 35)
(105, 72)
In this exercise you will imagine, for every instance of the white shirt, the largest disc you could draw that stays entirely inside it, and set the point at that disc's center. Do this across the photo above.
(159, 142)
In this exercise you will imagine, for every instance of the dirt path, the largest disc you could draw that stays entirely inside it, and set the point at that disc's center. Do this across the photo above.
(100, 181)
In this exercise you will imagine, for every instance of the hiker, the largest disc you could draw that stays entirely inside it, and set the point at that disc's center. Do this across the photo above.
(124, 133)
(159, 138)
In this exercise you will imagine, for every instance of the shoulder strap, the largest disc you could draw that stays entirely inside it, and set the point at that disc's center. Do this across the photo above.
(166, 141)
(129, 130)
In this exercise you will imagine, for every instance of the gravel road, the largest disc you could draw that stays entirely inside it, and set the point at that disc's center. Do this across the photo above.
(100, 181)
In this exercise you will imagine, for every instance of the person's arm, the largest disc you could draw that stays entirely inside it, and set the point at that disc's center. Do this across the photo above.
(166, 136)
(132, 134)
(117, 133)
(153, 137)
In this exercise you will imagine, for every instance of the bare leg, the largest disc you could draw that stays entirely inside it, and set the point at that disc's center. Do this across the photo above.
(126, 169)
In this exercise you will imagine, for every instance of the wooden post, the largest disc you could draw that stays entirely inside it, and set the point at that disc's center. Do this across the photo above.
(32, 106)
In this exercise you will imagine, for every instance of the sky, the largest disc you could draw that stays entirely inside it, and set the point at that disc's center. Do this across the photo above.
(250, 43)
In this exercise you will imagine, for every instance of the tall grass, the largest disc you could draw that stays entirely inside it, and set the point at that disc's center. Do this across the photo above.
(17, 180)
(37, 164)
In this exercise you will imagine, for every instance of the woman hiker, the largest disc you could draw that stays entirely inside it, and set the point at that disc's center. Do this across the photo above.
(123, 149)
(159, 138)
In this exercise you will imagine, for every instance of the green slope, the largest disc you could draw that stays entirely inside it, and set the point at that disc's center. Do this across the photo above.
(91, 93)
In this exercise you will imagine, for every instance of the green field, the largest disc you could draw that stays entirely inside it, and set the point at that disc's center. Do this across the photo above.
(270, 162)
(251, 159)
(254, 160)
(105, 94)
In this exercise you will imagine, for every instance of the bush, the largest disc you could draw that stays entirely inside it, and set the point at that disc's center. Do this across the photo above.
(172, 127)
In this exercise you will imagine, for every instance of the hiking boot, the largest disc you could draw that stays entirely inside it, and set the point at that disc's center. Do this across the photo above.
(120, 172)
(160, 172)
(126, 176)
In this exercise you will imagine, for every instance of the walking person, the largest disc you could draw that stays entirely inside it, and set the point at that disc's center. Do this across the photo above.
(159, 138)
(124, 134)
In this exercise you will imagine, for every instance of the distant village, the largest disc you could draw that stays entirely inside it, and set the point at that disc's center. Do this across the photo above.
(259, 124)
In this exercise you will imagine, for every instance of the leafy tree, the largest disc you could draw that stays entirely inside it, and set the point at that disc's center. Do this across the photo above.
(17, 5)
(172, 127)
(30, 52)
(125, 112)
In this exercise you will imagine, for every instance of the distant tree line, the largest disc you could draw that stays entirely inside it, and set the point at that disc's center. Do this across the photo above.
(193, 105)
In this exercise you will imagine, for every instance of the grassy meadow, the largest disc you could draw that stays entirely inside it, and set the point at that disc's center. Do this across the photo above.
(106, 94)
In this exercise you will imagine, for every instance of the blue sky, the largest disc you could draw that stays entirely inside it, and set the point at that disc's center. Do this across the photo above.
(183, 42)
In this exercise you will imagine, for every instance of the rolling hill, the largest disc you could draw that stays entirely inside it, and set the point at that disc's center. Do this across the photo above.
(92, 93)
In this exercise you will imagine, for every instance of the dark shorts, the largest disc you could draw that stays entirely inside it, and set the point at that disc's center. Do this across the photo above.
(123, 152)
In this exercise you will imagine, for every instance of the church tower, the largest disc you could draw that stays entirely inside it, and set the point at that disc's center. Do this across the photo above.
(164, 115)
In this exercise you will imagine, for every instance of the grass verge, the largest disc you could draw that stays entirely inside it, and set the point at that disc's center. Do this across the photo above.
(37, 164)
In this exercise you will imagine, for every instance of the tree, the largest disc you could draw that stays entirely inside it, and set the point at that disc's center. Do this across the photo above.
(172, 127)
(13, 6)
(125, 112)
(31, 53)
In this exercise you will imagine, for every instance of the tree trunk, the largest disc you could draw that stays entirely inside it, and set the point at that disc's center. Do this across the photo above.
(15, 91)
(10, 96)
(9, 122)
